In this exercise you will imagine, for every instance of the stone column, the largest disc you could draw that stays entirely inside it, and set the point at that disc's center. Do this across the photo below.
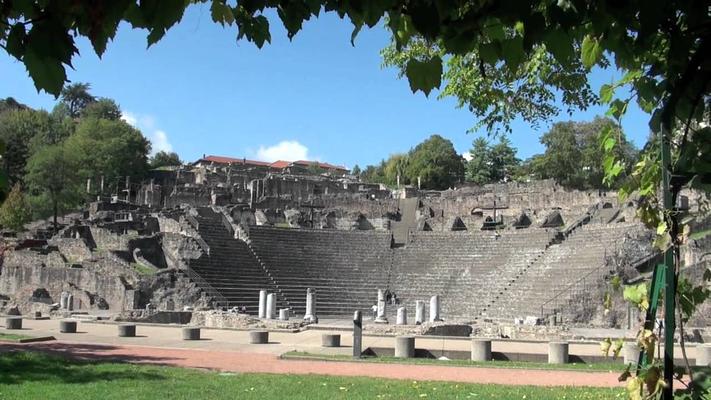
(630, 352)
(284, 314)
(262, 304)
(402, 316)
(405, 347)
(434, 309)
(310, 315)
(419, 312)
(382, 308)
(70, 302)
(63, 300)
(357, 334)
(558, 353)
(271, 306)
(703, 355)
(481, 350)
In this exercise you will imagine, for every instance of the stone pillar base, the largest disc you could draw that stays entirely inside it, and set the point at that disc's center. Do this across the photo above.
(68, 326)
(127, 330)
(405, 347)
(191, 333)
(481, 350)
(330, 340)
(259, 337)
(558, 353)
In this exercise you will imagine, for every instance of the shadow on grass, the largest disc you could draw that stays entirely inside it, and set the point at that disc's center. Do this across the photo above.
(17, 367)
(70, 363)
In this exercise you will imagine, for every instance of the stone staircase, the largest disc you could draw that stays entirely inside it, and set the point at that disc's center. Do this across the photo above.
(345, 268)
(466, 269)
(230, 267)
(580, 257)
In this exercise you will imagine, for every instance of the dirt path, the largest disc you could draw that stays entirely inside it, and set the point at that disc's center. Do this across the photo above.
(268, 363)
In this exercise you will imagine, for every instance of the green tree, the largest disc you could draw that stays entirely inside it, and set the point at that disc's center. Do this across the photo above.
(436, 162)
(504, 163)
(478, 169)
(102, 108)
(17, 130)
(109, 148)
(165, 159)
(15, 210)
(396, 165)
(356, 170)
(572, 155)
(53, 181)
(76, 97)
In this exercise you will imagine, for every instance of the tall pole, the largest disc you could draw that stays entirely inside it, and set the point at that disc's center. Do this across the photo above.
(670, 270)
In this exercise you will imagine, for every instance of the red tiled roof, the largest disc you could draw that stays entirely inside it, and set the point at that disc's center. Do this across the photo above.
(230, 160)
(280, 164)
(320, 164)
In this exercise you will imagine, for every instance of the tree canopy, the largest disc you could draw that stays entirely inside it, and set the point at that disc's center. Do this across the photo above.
(572, 155)
(165, 159)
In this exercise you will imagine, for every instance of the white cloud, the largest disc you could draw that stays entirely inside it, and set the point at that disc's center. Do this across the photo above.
(160, 142)
(467, 156)
(147, 125)
(289, 150)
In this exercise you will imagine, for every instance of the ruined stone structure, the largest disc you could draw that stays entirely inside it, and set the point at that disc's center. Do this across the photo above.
(224, 234)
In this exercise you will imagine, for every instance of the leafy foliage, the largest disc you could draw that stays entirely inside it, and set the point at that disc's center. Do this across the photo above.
(434, 161)
(76, 97)
(15, 211)
(110, 148)
(491, 163)
(53, 180)
(572, 155)
(165, 159)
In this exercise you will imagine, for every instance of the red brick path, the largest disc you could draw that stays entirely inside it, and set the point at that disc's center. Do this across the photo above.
(267, 363)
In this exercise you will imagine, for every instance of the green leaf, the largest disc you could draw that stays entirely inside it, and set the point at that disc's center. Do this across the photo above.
(606, 93)
(424, 75)
(490, 52)
(47, 72)
(591, 51)
(15, 40)
(560, 45)
(609, 143)
(221, 13)
(513, 53)
(661, 228)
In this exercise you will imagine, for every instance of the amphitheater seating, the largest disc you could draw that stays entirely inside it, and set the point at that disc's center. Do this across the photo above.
(231, 267)
(345, 268)
(476, 273)
(581, 255)
(465, 268)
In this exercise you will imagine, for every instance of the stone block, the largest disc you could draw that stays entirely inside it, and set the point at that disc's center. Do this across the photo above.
(191, 333)
(13, 323)
(68, 326)
(703, 355)
(401, 316)
(481, 350)
(330, 340)
(284, 314)
(259, 337)
(558, 353)
(405, 347)
(630, 352)
(127, 330)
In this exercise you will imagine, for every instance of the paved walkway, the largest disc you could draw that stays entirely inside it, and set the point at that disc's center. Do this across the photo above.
(268, 363)
(230, 350)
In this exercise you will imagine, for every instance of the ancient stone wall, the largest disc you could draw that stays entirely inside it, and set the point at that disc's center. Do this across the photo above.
(98, 285)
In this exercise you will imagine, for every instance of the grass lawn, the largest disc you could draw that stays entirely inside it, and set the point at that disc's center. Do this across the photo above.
(594, 367)
(12, 337)
(29, 375)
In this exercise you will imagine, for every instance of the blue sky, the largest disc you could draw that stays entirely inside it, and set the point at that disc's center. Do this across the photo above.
(198, 91)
